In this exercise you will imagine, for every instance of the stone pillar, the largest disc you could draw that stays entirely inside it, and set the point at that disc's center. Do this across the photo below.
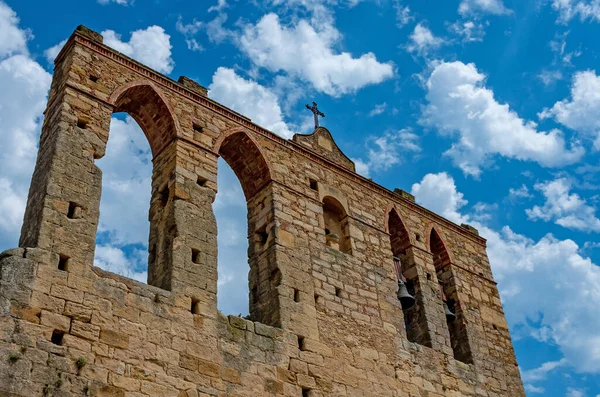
(64, 197)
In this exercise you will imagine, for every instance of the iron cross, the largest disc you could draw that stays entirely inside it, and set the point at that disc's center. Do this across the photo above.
(316, 113)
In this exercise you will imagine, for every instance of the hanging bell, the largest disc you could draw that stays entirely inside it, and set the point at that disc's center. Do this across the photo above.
(450, 317)
(406, 300)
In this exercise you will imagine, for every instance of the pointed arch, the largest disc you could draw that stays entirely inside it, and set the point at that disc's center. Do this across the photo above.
(246, 158)
(336, 226)
(149, 107)
(399, 235)
(437, 246)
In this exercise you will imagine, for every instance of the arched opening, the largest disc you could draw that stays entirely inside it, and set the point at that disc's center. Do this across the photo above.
(415, 320)
(336, 225)
(122, 237)
(455, 319)
(130, 239)
(250, 167)
(232, 223)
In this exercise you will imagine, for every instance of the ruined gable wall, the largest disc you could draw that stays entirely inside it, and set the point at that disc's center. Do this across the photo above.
(326, 323)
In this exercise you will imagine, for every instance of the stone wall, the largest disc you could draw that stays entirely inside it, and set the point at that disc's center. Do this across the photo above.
(322, 322)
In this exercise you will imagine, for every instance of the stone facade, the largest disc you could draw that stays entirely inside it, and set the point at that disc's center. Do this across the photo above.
(324, 316)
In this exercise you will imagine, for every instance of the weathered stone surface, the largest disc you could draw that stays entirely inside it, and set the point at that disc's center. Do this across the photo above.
(324, 316)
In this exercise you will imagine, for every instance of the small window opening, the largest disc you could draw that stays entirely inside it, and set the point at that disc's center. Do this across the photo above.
(305, 392)
(254, 295)
(82, 123)
(494, 326)
(72, 213)
(201, 181)
(336, 226)
(296, 295)
(195, 256)
(164, 196)
(198, 128)
(301, 343)
(57, 337)
(94, 79)
(195, 308)
(63, 262)
(262, 236)
(428, 276)
(313, 184)
(338, 292)
(317, 297)
(418, 236)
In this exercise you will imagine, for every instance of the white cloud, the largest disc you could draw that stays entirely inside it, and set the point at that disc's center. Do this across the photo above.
(403, 16)
(189, 31)
(580, 112)
(52, 52)
(564, 208)
(126, 184)
(469, 31)
(221, 4)
(460, 104)
(13, 40)
(549, 77)
(493, 7)
(569, 9)
(422, 41)
(534, 389)
(378, 109)
(383, 152)
(542, 372)
(437, 192)
(150, 46)
(528, 272)
(519, 193)
(308, 54)
(23, 98)
(574, 392)
(120, 2)
(114, 259)
(249, 98)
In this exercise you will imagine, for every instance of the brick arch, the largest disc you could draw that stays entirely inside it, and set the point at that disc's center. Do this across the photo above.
(437, 246)
(399, 234)
(246, 158)
(148, 106)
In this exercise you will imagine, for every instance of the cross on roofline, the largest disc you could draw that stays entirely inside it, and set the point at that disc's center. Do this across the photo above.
(316, 113)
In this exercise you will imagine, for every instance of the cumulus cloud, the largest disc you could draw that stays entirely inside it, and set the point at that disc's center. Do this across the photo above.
(580, 112)
(249, 98)
(13, 40)
(422, 41)
(52, 52)
(116, 260)
(305, 53)
(493, 7)
(150, 46)
(22, 101)
(460, 105)
(584, 9)
(383, 152)
(527, 272)
(564, 208)
(126, 184)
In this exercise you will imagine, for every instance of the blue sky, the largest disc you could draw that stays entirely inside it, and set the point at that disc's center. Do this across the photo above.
(487, 110)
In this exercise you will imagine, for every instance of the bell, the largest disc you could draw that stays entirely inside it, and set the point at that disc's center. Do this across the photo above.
(406, 300)
(450, 317)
